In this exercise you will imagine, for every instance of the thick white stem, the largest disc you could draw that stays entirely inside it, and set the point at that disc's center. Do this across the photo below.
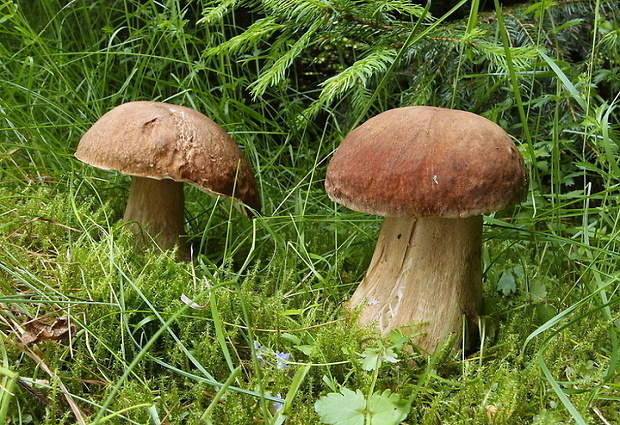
(155, 207)
(423, 270)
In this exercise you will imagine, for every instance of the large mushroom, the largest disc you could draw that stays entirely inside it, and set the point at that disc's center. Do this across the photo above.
(432, 173)
(163, 146)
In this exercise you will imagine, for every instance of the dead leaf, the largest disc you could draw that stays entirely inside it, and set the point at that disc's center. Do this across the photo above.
(39, 330)
(491, 412)
(34, 392)
(186, 300)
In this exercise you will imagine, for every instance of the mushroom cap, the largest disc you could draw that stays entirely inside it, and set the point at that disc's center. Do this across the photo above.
(163, 141)
(427, 162)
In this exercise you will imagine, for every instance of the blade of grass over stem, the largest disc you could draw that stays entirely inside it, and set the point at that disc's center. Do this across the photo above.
(560, 393)
(167, 328)
(81, 399)
(137, 359)
(206, 416)
(555, 385)
(472, 20)
(607, 137)
(551, 323)
(296, 382)
(577, 97)
(118, 414)
(204, 380)
(6, 390)
(219, 331)
(253, 352)
(512, 74)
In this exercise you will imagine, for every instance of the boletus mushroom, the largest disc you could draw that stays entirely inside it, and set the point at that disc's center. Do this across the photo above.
(432, 173)
(163, 146)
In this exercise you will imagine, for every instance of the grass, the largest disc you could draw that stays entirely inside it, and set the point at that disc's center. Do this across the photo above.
(162, 342)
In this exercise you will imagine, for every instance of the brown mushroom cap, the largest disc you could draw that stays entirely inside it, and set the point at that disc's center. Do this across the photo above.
(163, 141)
(425, 161)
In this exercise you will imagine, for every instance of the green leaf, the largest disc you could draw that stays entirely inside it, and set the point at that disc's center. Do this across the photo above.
(351, 408)
(373, 357)
(506, 284)
(370, 358)
(537, 290)
(565, 80)
(387, 408)
(344, 408)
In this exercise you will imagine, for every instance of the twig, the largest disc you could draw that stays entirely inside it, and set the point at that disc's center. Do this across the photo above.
(285, 330)
(600, 415)
(47, 220)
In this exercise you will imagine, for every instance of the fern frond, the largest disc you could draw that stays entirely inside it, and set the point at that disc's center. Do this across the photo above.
(403, 7)
(273, 73)
(523, 57)
(360, 96)
(611, 40)
(215, 13)
(299, 11)
(359, 73)
(256, 34)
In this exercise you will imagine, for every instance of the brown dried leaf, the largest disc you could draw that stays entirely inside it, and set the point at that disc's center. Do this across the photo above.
(39, 330)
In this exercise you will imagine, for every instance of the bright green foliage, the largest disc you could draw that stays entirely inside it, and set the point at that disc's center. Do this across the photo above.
(351, 408)
(375, 356)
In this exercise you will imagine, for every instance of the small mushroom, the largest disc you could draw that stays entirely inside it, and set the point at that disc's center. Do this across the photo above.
(163, 146)
(432, 173)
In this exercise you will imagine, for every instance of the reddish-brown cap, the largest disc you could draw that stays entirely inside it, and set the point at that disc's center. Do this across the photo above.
(163, 141)
(425, 161)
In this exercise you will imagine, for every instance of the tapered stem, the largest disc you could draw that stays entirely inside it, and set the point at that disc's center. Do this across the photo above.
(155, 207)
(423, 270)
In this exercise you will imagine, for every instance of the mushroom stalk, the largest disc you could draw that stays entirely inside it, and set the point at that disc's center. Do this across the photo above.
(423, 270)
(155, 207)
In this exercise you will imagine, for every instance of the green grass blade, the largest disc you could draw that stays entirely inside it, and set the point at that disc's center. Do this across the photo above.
(206, 416)
(287, 408)
(6, 391)
(558, 390)
(607, 139)
(512, 74)
(564, 79)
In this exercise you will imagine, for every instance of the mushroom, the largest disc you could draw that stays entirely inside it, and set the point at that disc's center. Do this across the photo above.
(432, 173)
(163, 146)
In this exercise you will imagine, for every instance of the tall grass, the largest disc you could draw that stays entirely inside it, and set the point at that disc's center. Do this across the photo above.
(157, 341)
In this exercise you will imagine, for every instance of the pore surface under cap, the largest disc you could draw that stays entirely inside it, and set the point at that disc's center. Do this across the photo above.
(425, 161)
